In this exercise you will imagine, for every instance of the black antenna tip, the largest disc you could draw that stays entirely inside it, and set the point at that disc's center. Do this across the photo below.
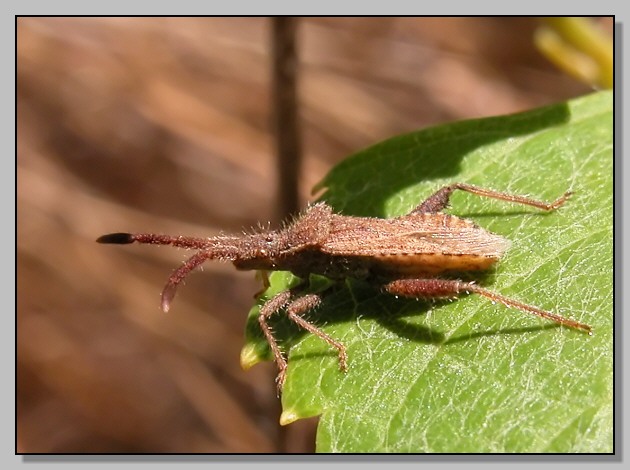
(117, 238)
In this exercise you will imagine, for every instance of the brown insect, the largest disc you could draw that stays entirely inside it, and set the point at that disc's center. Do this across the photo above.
(404, 256)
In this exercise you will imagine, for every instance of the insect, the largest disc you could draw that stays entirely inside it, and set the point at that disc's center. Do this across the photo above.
(411, 256)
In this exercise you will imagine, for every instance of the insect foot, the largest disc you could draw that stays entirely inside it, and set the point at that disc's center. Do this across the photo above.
(406, 255)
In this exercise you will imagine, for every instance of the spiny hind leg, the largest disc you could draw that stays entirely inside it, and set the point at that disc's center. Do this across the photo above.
(446, 288)
(439, 200)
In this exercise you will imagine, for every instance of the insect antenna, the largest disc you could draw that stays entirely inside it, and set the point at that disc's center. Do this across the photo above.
(220, 247)
(170, 289)
(155, 239)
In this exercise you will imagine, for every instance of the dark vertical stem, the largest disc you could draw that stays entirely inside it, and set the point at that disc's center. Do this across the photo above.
(285, 114)
(287, 137)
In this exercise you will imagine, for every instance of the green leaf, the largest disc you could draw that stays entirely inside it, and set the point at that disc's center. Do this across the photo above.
(470, 376)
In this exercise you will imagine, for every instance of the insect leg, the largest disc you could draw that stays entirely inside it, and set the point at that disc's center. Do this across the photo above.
(294, 309)
(269, 308)
(439, 200)
(304, 304)
(264, 277)
(445, 288)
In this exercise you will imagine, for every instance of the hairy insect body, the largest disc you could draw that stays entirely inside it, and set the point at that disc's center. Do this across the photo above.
(338, 246)
(404, 256)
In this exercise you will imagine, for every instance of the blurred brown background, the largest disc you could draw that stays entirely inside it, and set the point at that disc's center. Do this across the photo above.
(164, 124)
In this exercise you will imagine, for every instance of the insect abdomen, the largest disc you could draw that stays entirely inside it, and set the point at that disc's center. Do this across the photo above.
(431, 263)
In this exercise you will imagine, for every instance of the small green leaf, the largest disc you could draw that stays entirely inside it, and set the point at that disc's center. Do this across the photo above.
(470, 376)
